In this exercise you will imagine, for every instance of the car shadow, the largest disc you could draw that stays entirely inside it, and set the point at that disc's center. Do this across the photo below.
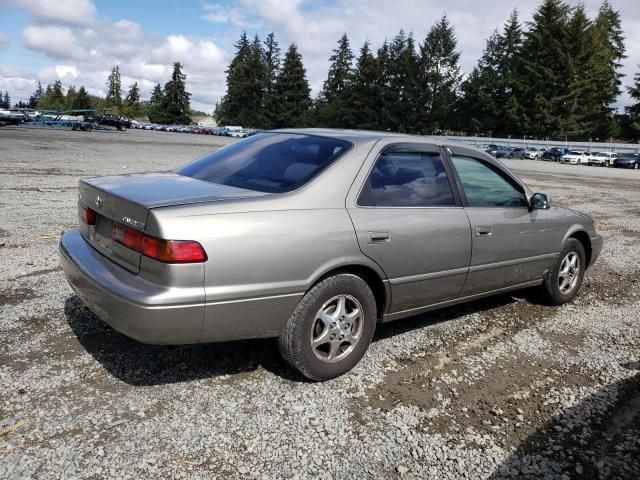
(143, 365)
(140, 364)
(597, 438)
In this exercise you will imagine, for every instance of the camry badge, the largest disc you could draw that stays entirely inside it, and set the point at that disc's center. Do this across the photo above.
(98, 201)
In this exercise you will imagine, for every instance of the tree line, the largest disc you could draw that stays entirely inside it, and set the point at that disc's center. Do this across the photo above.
(556, 76)
(168, 104)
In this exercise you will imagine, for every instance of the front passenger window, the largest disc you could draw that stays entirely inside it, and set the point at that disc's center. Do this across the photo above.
(485, 186)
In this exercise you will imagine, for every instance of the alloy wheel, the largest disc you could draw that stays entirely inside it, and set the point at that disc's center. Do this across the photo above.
(569, 273)
(337, 328)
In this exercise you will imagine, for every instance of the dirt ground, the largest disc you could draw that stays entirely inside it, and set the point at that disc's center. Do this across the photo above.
(498, 388)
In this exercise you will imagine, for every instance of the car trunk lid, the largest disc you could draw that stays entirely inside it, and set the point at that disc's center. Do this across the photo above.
(127, 199)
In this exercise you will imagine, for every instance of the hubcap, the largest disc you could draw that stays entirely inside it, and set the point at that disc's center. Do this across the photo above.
(337, 328)
(569, 273)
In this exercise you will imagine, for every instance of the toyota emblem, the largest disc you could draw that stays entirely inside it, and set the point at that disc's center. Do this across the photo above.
(98, 201)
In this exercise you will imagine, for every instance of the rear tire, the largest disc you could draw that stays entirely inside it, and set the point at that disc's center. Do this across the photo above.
(565, 278)
(331, 328)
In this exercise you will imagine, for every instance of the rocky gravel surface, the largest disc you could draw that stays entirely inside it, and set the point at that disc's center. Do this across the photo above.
(499, 388)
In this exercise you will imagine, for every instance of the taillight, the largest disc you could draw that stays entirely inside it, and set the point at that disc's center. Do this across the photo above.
(126, 236)
(167, 251)
(87, 214)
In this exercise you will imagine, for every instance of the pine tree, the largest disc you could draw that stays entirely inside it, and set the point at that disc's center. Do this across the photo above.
(246, 78)
(132, 106)
(402, 90)
(363, 96)
(37, 95)
(292, 90)
(386, 96)
(114, 89)
(83, 101)
(331, 107)
(541, 79)
(5, 101)
(155, 104)
(272, 69)
(175, 105)
(439, 77)
(71, 98)
(633, 111)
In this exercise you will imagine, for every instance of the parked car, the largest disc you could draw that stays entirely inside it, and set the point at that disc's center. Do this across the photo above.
(627, 160)
(533, 153)
(503, 152)
(555, 153)
(314, 236)
(604, 159)
(517, 152)
(576, 157)
(121, 123)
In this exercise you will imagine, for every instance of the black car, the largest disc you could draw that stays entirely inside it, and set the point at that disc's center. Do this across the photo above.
(503, 152)
(555, 153)
(110, 120)
(627, 160)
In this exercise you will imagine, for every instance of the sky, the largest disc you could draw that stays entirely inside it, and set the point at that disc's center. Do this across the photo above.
(79, 41)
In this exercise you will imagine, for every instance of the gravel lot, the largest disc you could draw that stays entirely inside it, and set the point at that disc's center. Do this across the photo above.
(497, 388)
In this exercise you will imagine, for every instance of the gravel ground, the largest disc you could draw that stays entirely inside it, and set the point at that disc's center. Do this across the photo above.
(497, 388)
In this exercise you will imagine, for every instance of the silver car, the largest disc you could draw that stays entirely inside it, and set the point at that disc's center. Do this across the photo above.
(313, 236)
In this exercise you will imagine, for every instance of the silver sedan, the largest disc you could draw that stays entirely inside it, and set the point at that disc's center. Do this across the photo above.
(313, 236)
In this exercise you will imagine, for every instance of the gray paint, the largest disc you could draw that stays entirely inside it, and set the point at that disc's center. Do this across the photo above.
(266, 250)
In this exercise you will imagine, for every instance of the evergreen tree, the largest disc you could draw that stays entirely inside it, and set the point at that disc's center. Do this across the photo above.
(292, 90)
(272, 69)
(175, 106)
(37, 95)
(83, 101)
(71, 98)
(386, 96)
(363, 97)
(132, 105)
(332, 110)
(402, 90)
(542, 82)
(5, 101)
(246, 78)
(633, 111)
(114, 89)
(155, 104)
(439, 77)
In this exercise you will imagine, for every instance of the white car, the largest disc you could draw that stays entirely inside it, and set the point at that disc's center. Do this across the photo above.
(576, 157)
(603, 159)
(533, 153)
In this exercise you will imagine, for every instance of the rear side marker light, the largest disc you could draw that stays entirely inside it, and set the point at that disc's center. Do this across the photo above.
(87, 214)
(166, 251)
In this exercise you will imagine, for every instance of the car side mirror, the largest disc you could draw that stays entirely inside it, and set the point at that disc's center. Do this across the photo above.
(540, 201)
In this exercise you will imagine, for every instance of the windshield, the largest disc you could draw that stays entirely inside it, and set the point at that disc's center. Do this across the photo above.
(268, 162)
(575, 152)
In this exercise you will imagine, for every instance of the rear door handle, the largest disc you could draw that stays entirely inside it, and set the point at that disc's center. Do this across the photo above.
(378, 237)
(483, 231)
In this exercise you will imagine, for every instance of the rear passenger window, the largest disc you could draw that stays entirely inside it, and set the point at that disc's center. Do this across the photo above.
(485, 186)
(407, 179)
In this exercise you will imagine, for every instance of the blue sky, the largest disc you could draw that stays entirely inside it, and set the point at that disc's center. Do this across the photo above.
(78, 41)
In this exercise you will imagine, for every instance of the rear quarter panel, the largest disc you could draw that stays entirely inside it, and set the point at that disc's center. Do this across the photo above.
(260, 263)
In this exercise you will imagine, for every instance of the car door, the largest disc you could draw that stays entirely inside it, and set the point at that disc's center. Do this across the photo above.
(408, 218)
(512, 245)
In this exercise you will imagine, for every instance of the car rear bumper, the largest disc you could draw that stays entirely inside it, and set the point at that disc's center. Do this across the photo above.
(131, 304)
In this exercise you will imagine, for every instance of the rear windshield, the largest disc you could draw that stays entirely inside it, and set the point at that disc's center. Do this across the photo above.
(268, 162)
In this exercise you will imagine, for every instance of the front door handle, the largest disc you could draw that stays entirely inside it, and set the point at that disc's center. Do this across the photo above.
(483, 231)
(378, 237)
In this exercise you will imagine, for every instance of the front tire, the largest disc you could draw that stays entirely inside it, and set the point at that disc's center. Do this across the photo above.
(331, 328)
(565, 278)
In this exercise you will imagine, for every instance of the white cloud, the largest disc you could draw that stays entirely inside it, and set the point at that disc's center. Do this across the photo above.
(217, 13)
(72, 12)
(4, 41)
(201, 55)
(57, 42)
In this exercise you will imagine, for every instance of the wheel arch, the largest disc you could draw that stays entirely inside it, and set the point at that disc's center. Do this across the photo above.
(583, 237)
(371, 274)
